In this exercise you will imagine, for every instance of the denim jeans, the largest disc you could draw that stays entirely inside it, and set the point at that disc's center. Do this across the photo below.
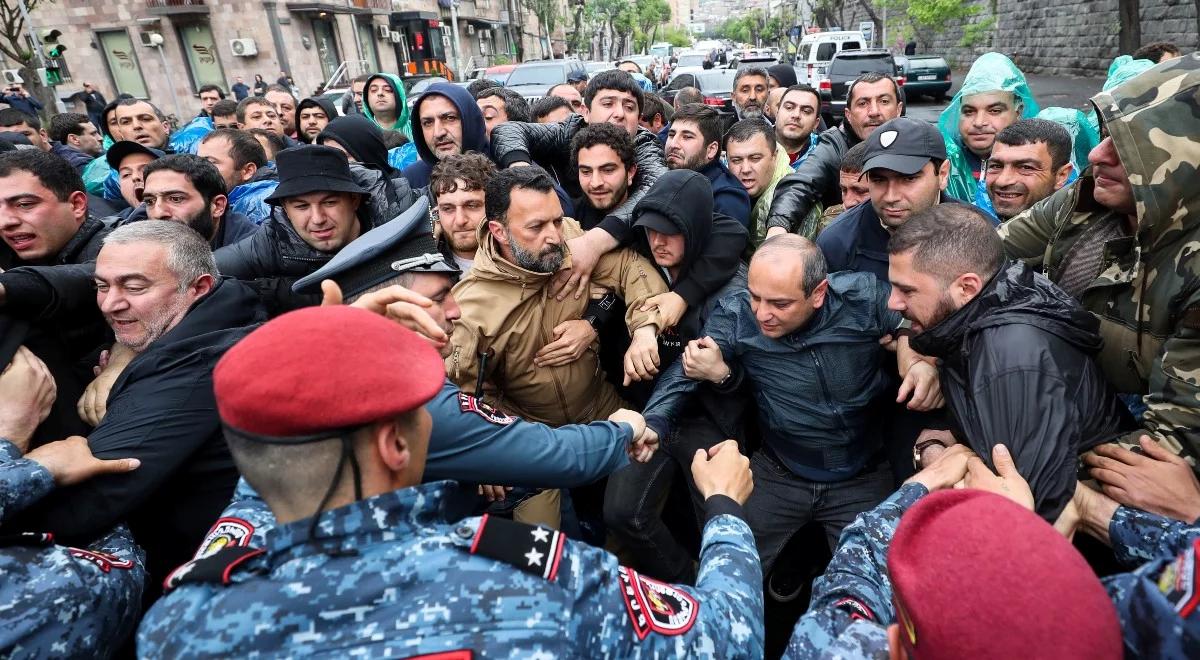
(635, 495)
(783, 502)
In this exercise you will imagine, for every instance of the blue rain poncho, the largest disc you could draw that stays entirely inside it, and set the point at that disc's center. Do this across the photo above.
(1122, 69)
(1084, 138)
(992, 72)
(187, 139)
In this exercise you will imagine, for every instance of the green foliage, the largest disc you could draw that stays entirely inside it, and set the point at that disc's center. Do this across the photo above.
(678, 37)
(926, 18)
(978, 33)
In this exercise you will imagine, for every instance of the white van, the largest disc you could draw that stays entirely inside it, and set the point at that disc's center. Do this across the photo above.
(817, 49)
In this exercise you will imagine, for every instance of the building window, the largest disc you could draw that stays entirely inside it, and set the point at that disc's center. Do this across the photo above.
(122, 63)
(366, 36)
(327, 48)
(204, 65)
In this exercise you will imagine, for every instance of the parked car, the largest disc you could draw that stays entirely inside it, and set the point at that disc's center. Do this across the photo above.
(499, 73)
(760, 58)
(715, 84)
(643, 61)
(844, 68)
(817, 50)
(925, 75)
(414, 86)
(596, 67)
(534, 78)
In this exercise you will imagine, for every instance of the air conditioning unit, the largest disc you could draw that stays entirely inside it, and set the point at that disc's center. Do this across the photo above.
(243, 47)
(396, 37)
(470, 30)
(13, 77)
(383, 31)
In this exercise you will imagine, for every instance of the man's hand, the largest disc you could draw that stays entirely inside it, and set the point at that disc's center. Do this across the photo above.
(396, 303)
(702, 360)
(631, 417)
(946, 470)
(776, 231)
(71, 461)
(922, 384)
(671, 307)
(1157, 481)
(586, 251)
(1007, 481)
(641, 360)
(93, 405)
(643, 446)
(27, 391)
(571, 339)
(1094, 511)
(494, 493)
(723, 470)
(519, 163)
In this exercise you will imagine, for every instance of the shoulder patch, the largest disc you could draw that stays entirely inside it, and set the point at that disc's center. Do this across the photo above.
(856, 609)
(655, 606)
(460, 654)
(1180, 581)
(535, 550)
(216, 568)
(226, 532)
(105, 561)
(469, 404)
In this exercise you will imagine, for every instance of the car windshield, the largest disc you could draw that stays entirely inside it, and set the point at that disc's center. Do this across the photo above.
(926, 63)
(593, 67)
(715, 82)
(856, 66)
(545, 74)
(696, 59)
(422, 85)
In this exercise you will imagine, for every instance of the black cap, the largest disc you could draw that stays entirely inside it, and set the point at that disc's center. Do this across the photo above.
(120, 150)
(656, 221)
(404, 245)
(312, 168)
(903, 145)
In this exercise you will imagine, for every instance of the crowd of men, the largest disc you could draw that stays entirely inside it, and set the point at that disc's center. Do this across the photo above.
(589, 377)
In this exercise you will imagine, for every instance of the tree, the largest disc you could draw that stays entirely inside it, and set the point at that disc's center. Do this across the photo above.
(623, 24)
(649, 15)
(928, 18)
(14, 44)
(547, 15)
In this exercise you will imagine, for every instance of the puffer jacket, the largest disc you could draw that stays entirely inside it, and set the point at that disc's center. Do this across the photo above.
(508, 312)
(276, 256)
(814, 182)
(1017, 367)
(549, 145)
(1147, 291)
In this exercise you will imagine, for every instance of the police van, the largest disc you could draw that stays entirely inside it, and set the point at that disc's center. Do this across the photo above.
(817, 49)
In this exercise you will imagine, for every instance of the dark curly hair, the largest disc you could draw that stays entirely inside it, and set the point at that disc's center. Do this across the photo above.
(609, 134)
(473, 169)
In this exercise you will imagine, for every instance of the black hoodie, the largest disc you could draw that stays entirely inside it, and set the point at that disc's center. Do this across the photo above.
(362, 139)
(323, 103)
(1017, 368)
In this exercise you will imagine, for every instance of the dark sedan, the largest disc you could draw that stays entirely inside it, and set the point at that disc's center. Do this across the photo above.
(925, 75)
(715, 84)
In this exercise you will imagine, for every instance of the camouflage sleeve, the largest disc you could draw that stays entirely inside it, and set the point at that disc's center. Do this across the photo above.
(1138, 536)
(1173, 398)
(22, 481)
(1026, 236)
(1157, 606)
(71, 602)
(621, 613)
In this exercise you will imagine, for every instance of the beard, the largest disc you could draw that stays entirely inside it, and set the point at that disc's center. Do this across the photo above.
(549, 261)
(202, 223)
(752, 111)
(944, 309)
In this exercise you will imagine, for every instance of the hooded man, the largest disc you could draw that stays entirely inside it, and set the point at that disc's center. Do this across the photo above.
(1015, 351)
(313, 114)
(781, 75)
(386, 104)
(362, 141)
(1120, 240)
(994, 95)
(445, 121)
(672, 225)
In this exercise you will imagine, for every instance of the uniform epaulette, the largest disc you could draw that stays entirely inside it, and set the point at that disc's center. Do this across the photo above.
(216, 568)
(535, 550)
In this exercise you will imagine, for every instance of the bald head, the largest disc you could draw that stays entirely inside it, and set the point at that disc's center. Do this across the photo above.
(787, 284)
(793, 250)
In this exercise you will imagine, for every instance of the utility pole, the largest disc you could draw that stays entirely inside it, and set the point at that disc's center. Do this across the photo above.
(458, 65)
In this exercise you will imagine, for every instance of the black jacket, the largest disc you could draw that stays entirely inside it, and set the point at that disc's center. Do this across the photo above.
(83, 247)
(816, 181)
(729, 195)
(549, 145)
(1017, 368)
(858, 241)
(275, 256)
(75, 157)
(161, 410)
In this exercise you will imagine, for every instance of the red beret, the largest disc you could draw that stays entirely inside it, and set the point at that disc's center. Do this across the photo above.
(321, 369)
(975, 575)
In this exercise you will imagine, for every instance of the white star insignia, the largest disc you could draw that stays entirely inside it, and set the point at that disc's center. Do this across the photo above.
(541, 534)
(534, 557)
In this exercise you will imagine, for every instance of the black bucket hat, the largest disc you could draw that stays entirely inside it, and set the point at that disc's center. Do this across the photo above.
(312, 168)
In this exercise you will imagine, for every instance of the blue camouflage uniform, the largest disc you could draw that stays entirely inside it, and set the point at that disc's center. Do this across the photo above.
(57, 601)
(393, 576)
(852, 606)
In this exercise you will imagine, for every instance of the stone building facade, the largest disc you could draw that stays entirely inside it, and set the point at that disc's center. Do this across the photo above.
(1068, 37)
(165, 50)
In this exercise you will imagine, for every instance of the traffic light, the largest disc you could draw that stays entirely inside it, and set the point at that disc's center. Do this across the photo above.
(50, 45)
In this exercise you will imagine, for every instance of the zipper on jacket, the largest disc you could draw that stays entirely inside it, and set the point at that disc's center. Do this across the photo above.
(837, 413)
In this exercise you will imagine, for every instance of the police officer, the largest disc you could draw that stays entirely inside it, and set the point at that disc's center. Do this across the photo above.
(58, 601)
(366, 561)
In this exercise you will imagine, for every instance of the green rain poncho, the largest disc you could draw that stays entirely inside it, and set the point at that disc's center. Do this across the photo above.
(1084, 138)
(1122, 69)
(992, 72)
(402, 124)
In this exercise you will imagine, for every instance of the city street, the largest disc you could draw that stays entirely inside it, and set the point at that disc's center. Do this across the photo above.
(1049, 91)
